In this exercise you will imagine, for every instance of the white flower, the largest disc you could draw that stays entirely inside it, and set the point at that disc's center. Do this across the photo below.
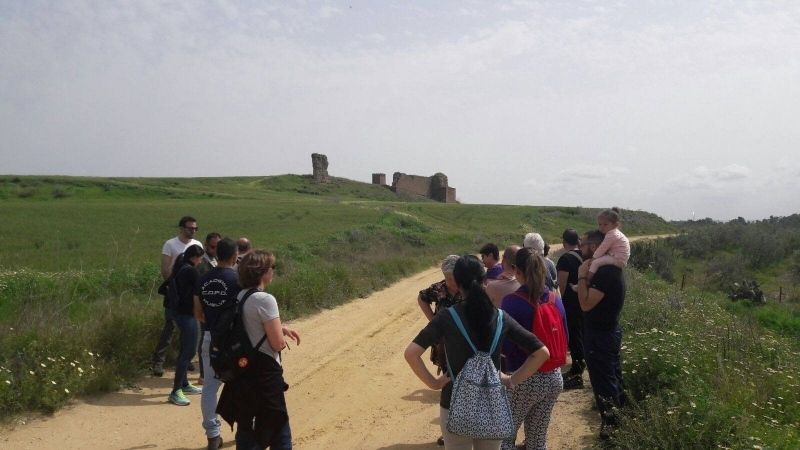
(66, 390)
(52, 381)
(8, 381)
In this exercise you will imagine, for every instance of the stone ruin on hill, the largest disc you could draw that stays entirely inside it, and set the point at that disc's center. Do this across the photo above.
(320, 164)
(434, 188)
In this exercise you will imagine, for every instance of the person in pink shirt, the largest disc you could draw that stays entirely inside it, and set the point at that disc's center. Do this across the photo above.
(615, 248)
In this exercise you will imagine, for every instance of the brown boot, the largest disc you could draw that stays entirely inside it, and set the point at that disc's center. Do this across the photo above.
(215, 443)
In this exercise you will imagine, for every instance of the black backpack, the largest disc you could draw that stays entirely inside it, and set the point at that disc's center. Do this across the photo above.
(171, 297)
(231, 352)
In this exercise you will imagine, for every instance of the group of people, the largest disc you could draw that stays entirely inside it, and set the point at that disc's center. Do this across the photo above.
(588, 288)
(209, 280)
(484, 296)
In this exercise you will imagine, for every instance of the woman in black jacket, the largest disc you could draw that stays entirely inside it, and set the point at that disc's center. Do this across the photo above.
(185, 277)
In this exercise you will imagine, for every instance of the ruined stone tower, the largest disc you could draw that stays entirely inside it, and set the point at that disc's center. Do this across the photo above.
(320, 164)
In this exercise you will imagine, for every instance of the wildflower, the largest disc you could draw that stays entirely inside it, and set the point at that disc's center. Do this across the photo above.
(66, 390)
(80, 370)
(693, 404)
(90, 353)
(72, 364)
(43, 364)
(53, 382)
(32, 372)
(8, 381)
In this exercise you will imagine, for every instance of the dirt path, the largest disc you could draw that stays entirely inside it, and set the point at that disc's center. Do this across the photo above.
(350, 389)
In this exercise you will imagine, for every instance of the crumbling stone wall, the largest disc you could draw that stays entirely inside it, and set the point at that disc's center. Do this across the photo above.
(434, 187)
(379, 179)
(320, 164)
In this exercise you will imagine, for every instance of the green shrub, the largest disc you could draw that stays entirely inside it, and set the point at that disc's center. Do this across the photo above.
(700, 377)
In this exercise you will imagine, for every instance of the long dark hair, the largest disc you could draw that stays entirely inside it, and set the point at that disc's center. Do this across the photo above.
(531, 264)
(469, 274)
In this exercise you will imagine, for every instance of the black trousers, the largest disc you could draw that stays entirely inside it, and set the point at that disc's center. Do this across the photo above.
(605, 370)
(574, 328)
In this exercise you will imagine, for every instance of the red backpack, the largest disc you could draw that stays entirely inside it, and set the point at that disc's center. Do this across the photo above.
(548, 326)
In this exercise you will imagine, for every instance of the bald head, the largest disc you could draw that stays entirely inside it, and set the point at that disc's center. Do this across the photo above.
(244, 245)
(509, 255)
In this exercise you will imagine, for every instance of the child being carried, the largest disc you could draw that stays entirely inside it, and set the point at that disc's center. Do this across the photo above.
(615, 248)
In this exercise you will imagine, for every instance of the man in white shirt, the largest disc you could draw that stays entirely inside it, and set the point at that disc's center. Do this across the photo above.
(187, 227)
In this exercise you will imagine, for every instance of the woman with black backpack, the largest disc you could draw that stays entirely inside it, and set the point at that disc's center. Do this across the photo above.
(255, 400)
(180, 294)
(480, 319)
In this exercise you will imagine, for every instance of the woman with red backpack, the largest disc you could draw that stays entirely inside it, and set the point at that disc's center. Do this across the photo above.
(536, 308)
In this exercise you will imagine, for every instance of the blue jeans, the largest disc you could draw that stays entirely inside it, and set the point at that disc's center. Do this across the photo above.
(208, 399)
(245, 440)
(187, 325)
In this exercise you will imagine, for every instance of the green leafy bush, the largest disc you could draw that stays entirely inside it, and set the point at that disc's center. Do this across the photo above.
(700, 377)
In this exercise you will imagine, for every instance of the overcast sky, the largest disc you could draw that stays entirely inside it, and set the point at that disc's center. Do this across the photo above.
(676, 107)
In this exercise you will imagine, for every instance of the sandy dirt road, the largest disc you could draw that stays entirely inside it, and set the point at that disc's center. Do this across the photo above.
(350, 389)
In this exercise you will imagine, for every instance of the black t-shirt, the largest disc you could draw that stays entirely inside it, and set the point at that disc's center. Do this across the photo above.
(217, 290)
(458, 350)
(185, 280)
(605, 315)
(569, 262)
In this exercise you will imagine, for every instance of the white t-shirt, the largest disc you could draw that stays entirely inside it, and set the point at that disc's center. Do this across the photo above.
(175, 247)
(260, 307)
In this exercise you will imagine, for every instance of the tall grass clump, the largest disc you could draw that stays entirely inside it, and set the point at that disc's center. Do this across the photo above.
(71, 333)
(700, 377)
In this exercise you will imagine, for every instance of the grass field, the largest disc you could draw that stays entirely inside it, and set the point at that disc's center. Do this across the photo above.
(79, 273)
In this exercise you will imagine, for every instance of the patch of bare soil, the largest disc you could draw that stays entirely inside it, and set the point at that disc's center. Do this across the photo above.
(350, 389)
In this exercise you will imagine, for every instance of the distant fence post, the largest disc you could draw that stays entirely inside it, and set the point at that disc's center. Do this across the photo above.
(683, 281)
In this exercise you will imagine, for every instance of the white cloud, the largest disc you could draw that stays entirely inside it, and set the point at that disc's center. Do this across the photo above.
(688, 100)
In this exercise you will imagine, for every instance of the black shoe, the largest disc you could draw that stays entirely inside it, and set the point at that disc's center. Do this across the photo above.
(576, 368)
(574, 382)
(215, 443)
(440, 441)
(158, 370)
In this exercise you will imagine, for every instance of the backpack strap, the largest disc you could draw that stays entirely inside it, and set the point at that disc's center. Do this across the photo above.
(461, 328)
(577, 255)
(498, 330)
(247, 295)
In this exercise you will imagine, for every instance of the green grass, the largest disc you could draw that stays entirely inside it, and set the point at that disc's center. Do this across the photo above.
(701, 377)
(80, 272)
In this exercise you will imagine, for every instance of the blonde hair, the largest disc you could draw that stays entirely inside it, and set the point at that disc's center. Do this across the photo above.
(613, 215)
(253, 266)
